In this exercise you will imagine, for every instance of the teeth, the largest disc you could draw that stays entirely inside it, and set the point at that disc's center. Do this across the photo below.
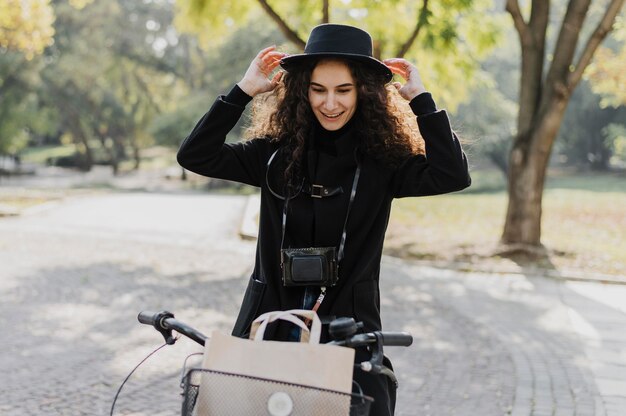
(332, 115)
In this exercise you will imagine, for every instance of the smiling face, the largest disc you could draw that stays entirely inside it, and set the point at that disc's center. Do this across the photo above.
(332, 94)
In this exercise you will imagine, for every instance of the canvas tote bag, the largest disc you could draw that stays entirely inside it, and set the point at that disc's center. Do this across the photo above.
(256, 377)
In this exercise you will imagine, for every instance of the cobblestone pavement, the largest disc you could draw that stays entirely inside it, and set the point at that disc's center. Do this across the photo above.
(74, 276)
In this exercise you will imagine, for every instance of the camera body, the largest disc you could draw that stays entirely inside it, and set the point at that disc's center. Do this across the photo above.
(312, 266)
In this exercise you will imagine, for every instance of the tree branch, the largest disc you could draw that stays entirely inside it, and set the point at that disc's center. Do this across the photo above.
(538, 23)
(532, 42)
(566, 43)
(289, 33)
(325, 11)
(602, 30)
(512, 6)
(422, 19)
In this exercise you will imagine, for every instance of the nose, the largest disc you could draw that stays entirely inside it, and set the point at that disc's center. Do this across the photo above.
(331, 102)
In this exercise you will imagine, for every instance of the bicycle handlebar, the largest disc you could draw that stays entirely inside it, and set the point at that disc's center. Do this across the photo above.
(397, 339)
(164, 322)
(389, 339)
(342, 329)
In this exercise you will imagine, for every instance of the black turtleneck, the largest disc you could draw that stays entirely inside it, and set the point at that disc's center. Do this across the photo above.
(324, 140)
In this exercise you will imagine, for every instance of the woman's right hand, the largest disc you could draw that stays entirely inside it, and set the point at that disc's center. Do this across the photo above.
(256, 79)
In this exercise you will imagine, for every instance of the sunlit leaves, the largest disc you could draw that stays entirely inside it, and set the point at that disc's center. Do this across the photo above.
(608, 71)
(26, 26)
(79, 4)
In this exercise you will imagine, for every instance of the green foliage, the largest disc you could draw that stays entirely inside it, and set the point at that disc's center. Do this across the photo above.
(119, 77)
(109, 73)
(583, 139)
(226, 63)
(21, 114)
(454, 34)
(170, 128)
(26, 26)
(616, 135)
(223, 66)
(608, 72)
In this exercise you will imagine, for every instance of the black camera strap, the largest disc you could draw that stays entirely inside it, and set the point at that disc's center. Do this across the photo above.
(342, 243)
(355, 181)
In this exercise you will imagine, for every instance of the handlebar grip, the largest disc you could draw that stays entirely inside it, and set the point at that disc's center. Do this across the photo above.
(397, 339)
(148, 318)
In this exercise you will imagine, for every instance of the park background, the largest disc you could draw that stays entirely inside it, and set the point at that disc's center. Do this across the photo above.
(107, 90)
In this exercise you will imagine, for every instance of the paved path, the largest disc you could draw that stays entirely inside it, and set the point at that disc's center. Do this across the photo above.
(74, 276)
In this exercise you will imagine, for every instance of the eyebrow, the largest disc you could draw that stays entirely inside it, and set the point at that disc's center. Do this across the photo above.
(347, 84)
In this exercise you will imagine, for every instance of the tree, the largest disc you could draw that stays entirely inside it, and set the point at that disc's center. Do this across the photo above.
(446, 37)
(542, 102)
(20, 114)
(25, 30)
(110, 70)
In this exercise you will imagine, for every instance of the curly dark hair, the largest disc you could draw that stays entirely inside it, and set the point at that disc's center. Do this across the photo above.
(383, 120)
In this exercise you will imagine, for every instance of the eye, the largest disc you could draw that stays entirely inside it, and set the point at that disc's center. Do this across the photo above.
(344, 90)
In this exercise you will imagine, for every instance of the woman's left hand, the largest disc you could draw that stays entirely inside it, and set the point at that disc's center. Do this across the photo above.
(414, 85)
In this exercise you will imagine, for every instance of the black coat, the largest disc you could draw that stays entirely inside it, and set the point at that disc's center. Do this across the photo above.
(319, 222)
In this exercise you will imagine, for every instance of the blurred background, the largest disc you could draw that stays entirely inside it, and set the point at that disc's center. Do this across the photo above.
(98, 95)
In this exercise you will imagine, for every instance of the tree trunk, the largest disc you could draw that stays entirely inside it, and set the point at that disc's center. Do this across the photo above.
(325, 11)
(527, 172)
(136, 155)
(525, 184)
(87, 163)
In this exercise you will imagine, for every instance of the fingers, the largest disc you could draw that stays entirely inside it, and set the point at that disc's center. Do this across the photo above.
(276, 78)
(272, 59)
(269, 59)
(399, 66)
(264, 51)
(255, 80)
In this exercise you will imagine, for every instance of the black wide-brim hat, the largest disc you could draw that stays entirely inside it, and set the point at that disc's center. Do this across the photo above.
(339, 41)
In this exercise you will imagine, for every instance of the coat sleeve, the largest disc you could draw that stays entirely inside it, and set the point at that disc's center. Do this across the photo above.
(442, 169)
(205, 152)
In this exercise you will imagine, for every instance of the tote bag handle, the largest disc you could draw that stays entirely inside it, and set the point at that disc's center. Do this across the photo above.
(312, 336)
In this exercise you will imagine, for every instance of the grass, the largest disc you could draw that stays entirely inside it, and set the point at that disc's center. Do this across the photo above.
(154, 157)
(583, 225)
(41, 154)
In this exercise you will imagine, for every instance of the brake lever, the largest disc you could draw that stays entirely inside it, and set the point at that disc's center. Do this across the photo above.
(375, 364)
(158, 325)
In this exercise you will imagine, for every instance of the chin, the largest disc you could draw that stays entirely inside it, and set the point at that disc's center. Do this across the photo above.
(331, 125)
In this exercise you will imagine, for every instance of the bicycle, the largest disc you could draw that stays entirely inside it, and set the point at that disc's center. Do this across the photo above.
(343, 331)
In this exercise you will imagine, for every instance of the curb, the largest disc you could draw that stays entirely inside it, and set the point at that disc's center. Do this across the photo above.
(476, 268)
(249, 227)
(8, 211)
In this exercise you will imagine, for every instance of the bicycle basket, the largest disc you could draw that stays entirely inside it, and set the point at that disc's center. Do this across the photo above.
(245, 395)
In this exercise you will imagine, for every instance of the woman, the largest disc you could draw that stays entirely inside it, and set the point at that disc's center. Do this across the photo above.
(329, 160)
